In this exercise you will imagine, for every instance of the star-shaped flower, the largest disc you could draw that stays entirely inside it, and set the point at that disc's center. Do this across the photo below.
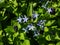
(35, 15)
(41, 22)
(25, 19)
(51, 10)
(24, 29)
(19, 19)
(36, 33)
(31, 27)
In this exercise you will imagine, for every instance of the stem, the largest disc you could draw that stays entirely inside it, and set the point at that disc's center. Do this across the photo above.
(46, 3)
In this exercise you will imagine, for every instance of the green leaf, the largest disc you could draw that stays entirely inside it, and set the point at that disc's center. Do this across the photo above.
(54, 5)
(59, 22)
(1, 1)
(51, 44)
(58, 43)
(22, 36)
(29, 9)
(1, 43)
(40, 10)
(9, 29)
(9, 39)
(49, 23)
(15, 34)
(14, 23)
(57, 37)
(46, 29)
(1, 32)
(26, 42)
(48, 37)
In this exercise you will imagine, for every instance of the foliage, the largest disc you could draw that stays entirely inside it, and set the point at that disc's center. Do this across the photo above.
(29, 22)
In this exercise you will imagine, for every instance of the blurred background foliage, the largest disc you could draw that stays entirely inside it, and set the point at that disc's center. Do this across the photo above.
(10, 10)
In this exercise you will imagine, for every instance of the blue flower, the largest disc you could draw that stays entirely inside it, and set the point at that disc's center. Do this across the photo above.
(25, 30)
(31, 27)
(36, 33)
(35, 15)
(41, 22)
(25, 19)
(51, 10)
(19, 19)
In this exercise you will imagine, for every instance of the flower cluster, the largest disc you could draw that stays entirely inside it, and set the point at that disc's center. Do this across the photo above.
(31, 26)
(23, 19)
